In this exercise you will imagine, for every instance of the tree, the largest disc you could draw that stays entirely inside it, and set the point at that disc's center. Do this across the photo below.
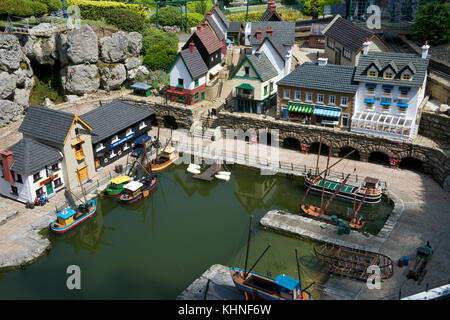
(432, 22)
(159, 56)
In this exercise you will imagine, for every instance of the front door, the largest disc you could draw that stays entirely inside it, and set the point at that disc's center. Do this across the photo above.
(83, 174)
(337, 56)
(49, 187)
(97, 162)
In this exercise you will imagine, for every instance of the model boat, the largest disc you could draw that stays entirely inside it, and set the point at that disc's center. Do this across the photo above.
(69, 218)
(258, 286)
(136, 190)
(164, 159)
(115, 187)
(354, 263)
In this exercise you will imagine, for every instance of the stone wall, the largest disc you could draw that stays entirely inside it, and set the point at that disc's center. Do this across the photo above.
(436, 162)
(436, 127)
(438, 89)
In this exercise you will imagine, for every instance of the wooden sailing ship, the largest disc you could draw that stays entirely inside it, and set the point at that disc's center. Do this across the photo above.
(353, 263)
(258, 286)
(322, 213)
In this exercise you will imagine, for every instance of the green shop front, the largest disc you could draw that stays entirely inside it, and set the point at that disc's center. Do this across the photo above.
(244, 100)
(299, 112)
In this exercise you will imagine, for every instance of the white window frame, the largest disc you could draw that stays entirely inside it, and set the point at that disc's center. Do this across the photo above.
(342, 104)
(112, 154)
(142, 125)
(319, 101)
(299, 95)
(129, 131)
(115, 139)
(100, 146)
(288, 95)
(126, 146)
(329, 99)
(309, 97)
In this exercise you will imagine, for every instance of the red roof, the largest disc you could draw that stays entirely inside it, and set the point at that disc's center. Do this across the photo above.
(209, 40)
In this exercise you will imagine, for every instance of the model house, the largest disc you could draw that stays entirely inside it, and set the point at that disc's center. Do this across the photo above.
(318, 94)
(115, 126)
(234, 33)
(218, 32)
(30, 169)
(67, 133)
(254, 88)
(344, 41)
(316, 38)
(188, 74)
(271, 13)
(220, 19)
(390, 92)
(277, 53)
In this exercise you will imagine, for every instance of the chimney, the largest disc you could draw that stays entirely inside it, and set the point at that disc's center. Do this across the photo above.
(269, 31)
(258, 34)
(217, 5)
(272, 6)
(7, 160)
(191, 46)
(366, 47)
(204, 24)
(208, 14)
(199, 28)
(425, 49)
(322, 61)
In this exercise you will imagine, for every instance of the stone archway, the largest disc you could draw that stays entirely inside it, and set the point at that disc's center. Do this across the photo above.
(324, 148)
(379, 158)
(413, 164)
(170, 122)
(291, 143)
(353, 156)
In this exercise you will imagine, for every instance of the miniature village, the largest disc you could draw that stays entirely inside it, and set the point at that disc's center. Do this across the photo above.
(280, 160)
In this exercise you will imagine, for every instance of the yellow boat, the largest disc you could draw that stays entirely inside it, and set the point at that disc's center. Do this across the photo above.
(164, 159)
(116, 186)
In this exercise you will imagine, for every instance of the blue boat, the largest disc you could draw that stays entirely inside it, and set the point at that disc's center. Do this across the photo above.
(69, 218)
(136, 190)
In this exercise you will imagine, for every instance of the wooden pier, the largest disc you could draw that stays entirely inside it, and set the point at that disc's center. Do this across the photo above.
(208, 174)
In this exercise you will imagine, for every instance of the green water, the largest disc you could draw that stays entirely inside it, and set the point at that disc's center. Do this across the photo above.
(155, 248)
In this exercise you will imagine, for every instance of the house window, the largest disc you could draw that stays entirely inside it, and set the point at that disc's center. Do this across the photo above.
(19, 178)
(406, 77)
(403, 94)
(57, 183)
(196, 83)
(129, 131)
(142, 125)
(309, 97)
(345, 120)
(271, 86)
(247, 71)
(196, 96)
(115, 138)
(320, 98)
(100, 146)
(372, 74)
(112, 154)
(369, 106)
(388, 75)
(402, 110)
(330, 44)
(55, 167)
(297, 95)
(39, 192)
(79, 155)
(14, 191)
(203, 95)
(370, 91)
(332, 100)
(387, 92)
(344, 101)
(36, 176)
(265, 90)
(385, 108)
(347, 53)
(126, 146)
(286, 94)
(180, 82)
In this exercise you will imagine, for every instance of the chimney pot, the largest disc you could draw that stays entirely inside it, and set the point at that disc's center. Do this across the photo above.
(322, 61)
(425, 49)
(191, 46)
(366, 47)
(258, 34)
(217, 4)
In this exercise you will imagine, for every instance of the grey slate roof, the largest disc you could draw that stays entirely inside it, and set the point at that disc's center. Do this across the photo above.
(221, 16)
(330, 77)
(113, 117)
(235, 26)
(215, 27)
(401, 60)
(262, 66)
(284, 31)
(46, 124)
(30, 156)
(348, 34)
(267, 15)
(277, 45)
(317, 28)
(194, 63)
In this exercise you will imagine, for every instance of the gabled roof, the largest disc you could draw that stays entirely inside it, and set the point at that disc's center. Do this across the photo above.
(270, 15)
(221, 16)
(284, 31)
(220, 35)
(113, 117)
(235, 26)
(194, 63)
(48, 124)
(279, 48)
(348, 34)
(261, 65)
(317, 28)
(330, 77)
(207, 38)
(30, 156)
(401, 60)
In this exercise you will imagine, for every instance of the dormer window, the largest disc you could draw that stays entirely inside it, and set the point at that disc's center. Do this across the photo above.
(389, 75)
(406, 77)
(372, 74)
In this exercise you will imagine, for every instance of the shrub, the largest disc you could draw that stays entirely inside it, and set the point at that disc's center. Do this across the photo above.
(52, 5)
(159, 56)
(95, 10)
(286, 14)
(22, 8)
(125, 20)
(194, 19)
(200, 7)
(168, 16)
(432, 23)
(311, 7)
(152, 36)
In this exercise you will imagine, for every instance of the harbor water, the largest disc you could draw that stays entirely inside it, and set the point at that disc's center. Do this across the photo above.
(156, 247)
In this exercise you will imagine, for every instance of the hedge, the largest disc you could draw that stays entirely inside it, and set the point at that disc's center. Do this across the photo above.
(95, 10)
(125, 20)
(152, 36)
(22, 8)
(286, 14)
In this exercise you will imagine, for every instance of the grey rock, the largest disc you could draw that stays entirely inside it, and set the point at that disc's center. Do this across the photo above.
(131, 74)
(22, 96)
(134, 43)
(9, 112)
(41, 49)
(10, 52)
(114, 48)
(112, 76)
(61, 48)
(132, 63)
(444, 108)
(82, 45)
(80, 79)
(7, 85)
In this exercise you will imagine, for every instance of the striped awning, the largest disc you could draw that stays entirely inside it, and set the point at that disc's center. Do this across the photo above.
(301, 108)
(327, 112)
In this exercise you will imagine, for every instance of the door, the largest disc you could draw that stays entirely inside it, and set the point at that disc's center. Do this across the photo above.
(337, 56)
(97, 162)
(83, 174)
(49, 187)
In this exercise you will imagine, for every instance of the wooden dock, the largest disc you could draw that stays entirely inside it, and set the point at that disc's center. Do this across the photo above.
(208, 174)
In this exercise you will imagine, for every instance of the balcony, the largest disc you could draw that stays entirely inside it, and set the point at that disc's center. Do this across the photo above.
(245, 91)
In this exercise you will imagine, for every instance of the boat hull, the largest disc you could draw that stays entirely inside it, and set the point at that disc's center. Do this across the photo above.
(144, 192)
(162, 166)
(350, 196)
(313, 212)
(93, 208)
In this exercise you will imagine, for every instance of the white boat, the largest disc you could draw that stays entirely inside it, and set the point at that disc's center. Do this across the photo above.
(193, 165)
(222, 177)
(193, 170)
(224, 173)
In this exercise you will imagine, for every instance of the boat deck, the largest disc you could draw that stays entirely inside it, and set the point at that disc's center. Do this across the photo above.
(335, 186)
(208, 174)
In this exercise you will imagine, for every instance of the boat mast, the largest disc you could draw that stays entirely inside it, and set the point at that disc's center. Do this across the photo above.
(325, 177)
(318, 154)
(337, 190)
(81, 185)
(299, 275)
(248, 245)
(73, 194)
(339, 161)
(146, 156)
(257, 260)
(141, 166)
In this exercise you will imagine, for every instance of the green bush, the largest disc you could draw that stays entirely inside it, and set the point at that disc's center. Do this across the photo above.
(52, 5)
(194, 19)
(432, 23)
(95, 10)
(22, 8)
(311, 7)
(159, 56)
(168, 16)
(152, 36)
(125, 20)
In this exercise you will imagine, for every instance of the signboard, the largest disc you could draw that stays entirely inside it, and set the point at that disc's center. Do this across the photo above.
(393, 162)
(304, 147)
(47, 180)
(254, 139)
(115, 144)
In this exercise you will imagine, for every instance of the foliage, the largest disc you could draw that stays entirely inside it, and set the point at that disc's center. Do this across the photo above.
(156, 78)
(194, 19)
(95, 10)
(168, 16)
(152, 36)
(432, 23)
(286, 14)
(45, 89)
(200, 7)
(159, 56)
(316, 6)
(22, 8)
(125, 20)
(52, 5)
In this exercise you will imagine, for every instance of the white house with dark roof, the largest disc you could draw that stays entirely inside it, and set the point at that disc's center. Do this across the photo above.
(390, 93)
(30, 169)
